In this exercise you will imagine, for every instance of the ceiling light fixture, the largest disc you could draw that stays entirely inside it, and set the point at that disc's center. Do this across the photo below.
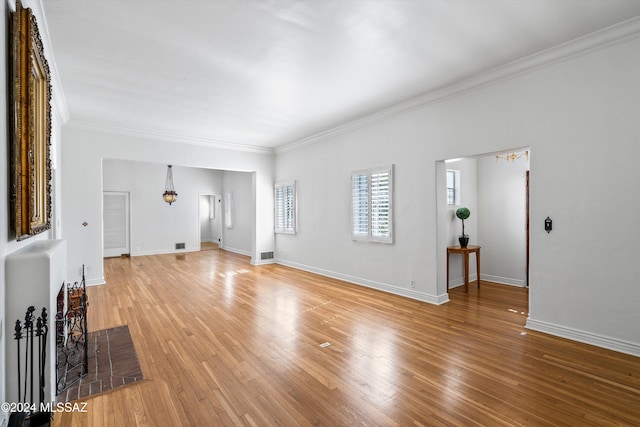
(512, 157)
(169, 194)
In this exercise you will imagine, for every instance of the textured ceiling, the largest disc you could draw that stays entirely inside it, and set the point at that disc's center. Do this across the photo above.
(268, 72)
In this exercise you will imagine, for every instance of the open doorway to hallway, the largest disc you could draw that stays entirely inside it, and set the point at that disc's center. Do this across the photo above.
(209, 209)
(493, 187)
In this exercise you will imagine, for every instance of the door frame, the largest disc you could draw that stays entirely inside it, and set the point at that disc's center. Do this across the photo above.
(527, 227)
(217, 221)
(442, 220)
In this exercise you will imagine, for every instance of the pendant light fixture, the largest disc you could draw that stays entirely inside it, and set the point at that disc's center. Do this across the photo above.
(169, 194)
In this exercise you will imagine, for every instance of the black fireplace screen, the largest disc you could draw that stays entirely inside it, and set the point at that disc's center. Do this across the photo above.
(71, 335)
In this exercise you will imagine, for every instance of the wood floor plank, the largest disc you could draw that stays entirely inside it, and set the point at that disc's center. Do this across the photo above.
(221, 342)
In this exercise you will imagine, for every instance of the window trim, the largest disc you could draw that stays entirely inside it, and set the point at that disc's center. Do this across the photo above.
(285, 228)
(370, 217)
(456, 187)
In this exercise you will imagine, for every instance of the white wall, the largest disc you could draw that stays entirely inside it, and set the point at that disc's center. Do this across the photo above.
(83, 149)
(155, 225)
(8, 244)
(238, 237)
(585, 175)
(502, 209)
(580, 118)
(323, 243)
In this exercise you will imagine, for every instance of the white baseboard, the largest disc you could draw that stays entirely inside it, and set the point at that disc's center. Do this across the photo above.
(584, 337)
(489, 278)
(236, 251)
(460, 281)
(262, 261)
(503, 280)
(172, 251)
(95, 282)
(247, 253)
(408, 293)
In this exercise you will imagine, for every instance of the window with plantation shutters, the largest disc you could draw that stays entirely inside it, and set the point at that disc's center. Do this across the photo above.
(372, 213)
(285, 207)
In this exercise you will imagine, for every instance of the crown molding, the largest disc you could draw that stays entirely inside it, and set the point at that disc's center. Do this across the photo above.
(167, 137)
(615, 34)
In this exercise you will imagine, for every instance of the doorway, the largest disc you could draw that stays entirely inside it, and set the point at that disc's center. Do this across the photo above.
(115, 207)
(494, 186)
(209, 206)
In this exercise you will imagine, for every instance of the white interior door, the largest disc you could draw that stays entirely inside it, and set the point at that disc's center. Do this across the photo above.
(115, 223)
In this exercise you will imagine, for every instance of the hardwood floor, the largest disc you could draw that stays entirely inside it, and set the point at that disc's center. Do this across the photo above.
(208, 246)
(223, 343)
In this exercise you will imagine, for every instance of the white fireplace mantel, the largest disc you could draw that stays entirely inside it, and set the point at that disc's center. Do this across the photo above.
(34, 275)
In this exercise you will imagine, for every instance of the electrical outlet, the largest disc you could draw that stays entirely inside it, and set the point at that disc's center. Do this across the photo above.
(413, 284)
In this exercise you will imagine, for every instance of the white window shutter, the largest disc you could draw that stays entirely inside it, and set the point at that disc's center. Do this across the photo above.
(279, 208)
(360, 207)
(290, 207)
(381, 205)
(372, 210)
(285, 207)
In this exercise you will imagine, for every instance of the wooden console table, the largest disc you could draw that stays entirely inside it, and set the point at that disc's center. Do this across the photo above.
(465, 252)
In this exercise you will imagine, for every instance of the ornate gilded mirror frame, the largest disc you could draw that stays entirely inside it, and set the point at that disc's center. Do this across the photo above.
(30, 109)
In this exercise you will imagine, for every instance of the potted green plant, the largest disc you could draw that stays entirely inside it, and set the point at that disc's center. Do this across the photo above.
(463, 213)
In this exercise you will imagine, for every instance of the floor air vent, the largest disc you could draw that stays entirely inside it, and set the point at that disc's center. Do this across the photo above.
(266, 255)
(179, 245)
